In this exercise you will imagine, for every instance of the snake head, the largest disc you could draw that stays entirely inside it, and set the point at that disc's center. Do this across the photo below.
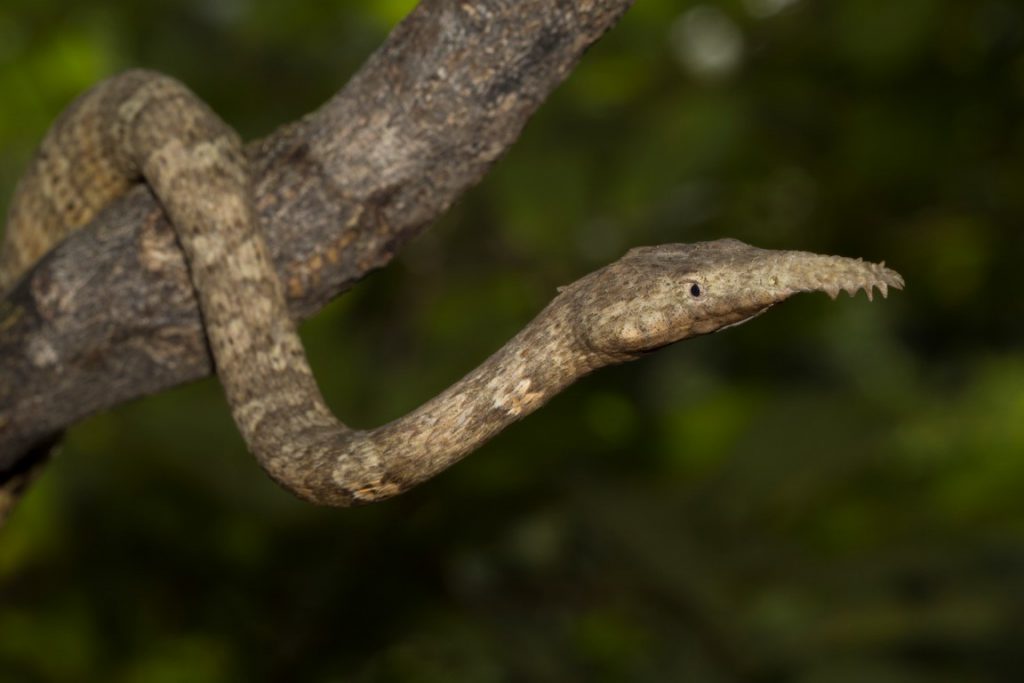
(658, 295)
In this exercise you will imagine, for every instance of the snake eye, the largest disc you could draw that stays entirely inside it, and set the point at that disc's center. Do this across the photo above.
(695, 290)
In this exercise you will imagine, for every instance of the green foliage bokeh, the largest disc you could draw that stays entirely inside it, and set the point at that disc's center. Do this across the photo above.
(830, 493)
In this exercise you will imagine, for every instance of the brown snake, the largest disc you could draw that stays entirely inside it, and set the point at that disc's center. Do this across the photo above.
(141, 126)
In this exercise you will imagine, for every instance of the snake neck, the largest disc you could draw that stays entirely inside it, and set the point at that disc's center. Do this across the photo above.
(328, 463)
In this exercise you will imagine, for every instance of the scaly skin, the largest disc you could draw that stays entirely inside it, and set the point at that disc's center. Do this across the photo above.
(144, 127)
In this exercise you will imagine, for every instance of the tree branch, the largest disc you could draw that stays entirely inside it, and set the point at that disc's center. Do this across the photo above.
(110, 314)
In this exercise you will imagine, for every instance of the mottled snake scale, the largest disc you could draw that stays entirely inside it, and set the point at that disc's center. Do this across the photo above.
(143, 127)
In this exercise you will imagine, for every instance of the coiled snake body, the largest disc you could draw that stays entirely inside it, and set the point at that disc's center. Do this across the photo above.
(141, 126)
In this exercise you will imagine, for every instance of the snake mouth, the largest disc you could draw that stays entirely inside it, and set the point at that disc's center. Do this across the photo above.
(744, 320)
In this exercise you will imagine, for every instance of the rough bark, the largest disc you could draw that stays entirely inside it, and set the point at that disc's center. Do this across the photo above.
(110, 315)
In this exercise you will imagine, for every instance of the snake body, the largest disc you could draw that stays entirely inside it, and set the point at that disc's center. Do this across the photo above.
(144, 127)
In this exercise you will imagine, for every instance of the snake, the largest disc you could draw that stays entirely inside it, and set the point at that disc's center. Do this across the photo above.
(145, 127)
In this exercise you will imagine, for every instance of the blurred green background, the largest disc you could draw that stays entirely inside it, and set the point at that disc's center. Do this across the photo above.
(830, 493)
